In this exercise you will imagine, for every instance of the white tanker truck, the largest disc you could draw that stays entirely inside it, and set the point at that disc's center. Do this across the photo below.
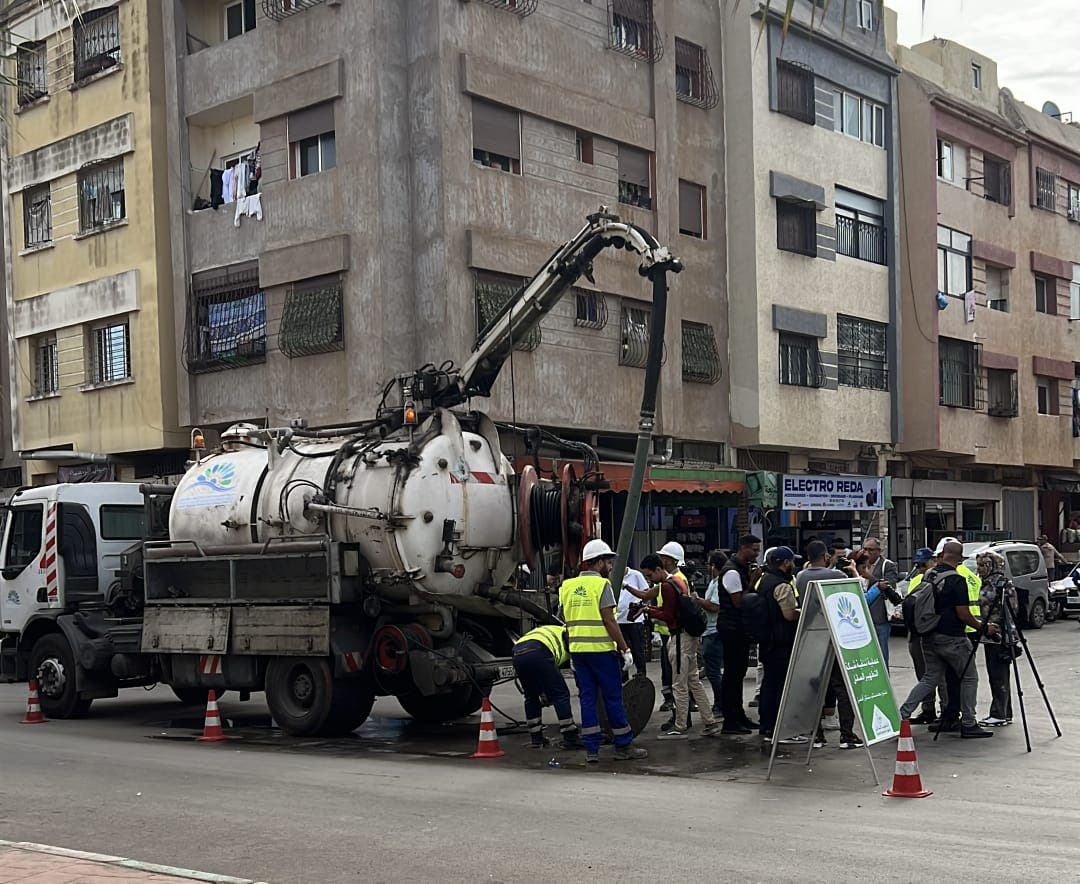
(325, 567)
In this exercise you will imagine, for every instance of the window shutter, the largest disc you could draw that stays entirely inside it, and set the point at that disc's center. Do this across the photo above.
(496, 130)
(690, 209)
(311, 121)
(633, 166)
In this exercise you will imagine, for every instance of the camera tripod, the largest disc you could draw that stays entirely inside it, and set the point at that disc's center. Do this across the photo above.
(1009, 626)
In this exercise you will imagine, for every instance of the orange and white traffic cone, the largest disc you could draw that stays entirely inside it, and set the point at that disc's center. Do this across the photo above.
(212, 732)
(33, 706)
(906, 781)
(488, 745)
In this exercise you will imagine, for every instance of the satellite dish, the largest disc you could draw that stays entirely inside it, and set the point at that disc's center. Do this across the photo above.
(1051, 109)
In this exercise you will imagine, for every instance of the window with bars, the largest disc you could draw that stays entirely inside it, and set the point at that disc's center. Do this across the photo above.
(1045, 189)
(997, 180)
(700, 355)
(953, 261)
(101, 195)
(591, 309)
(958, 366)
(1001, 393)
(96, 42)
(694, 83)
(1074, 202)
(46, 373)
(226, 323)
(110, 353)
(279, 10)
(860, 227)
(796, 227)
(635, 177)
(800, 361)
(795, 90)
(37, 216)
(861, 355)
(518, 7)
(30, 71)
(633, 29)
(493, 293)
(634, 348)
(311, 321)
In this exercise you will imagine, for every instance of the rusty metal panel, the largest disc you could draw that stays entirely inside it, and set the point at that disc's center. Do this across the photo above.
(187, 629)
(281, 631)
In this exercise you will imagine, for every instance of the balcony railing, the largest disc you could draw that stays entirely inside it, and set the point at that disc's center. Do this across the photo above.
(279, 10)
(860, 239)
(30, 67)
(97, 43)
(866, 377)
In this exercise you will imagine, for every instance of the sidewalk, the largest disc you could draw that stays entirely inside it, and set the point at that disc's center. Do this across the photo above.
(25, 863)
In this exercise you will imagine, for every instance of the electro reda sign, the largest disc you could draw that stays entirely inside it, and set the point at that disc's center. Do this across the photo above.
(833, 493)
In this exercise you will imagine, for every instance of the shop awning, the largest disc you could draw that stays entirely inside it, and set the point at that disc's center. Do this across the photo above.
(678, 480)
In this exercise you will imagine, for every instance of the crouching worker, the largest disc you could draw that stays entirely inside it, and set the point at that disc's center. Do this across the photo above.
(538, 656)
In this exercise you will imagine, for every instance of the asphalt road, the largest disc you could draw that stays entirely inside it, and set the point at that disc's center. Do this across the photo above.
(398, 802)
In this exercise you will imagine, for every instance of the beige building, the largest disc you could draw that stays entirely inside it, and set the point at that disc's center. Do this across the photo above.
(88, 286)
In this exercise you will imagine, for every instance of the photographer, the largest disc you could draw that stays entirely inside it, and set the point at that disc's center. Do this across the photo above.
(997, 589)
(877, 591)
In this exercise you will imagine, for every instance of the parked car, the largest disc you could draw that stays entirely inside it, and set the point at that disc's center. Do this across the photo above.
(1068, 589)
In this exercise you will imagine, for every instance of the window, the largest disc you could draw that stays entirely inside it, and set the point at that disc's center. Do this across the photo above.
(122, 522)
(691, 209)
(101, 195)
(633, 29)
(30, 70)
(239, 18)
(1074, 293)
(1045, 189)
(226, 325)
(496, 137)
(97, 42)
(1001, 393)
(952, 163)
(635, 177)
(866, 14)
(944, 160)
(37, 216)
(976, 75)
(997, 180)
(860, 353)
(954, 262)
(634, 349)
(997, 289)
(800, 364)
(796, 227)
(492, 293)
(795, 90)
(1046, 295)
(311, 320)
(958, 365)
(110, 353)
(312, 146)
(1047, 395)
(1074, 202)
(700, 356)
(694, 82)
(24, 536)
(860, 227)
(1022, 562)
(859, 117)
(583, 148)
(590, 309)
(46, 366)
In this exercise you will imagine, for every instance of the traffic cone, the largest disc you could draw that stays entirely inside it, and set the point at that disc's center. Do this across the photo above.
(33, 706)
(906, 781)
(212, 732)
(488, 745)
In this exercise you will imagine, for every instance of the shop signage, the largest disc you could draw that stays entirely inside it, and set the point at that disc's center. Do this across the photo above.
(833, 493)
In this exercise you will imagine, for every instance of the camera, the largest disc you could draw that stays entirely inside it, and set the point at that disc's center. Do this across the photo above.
(842, 563)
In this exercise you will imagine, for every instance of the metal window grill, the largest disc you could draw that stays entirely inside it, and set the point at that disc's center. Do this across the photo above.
(1002, 399)
(493, 295)
(37, 216)
(961, 382)
(279, 10)
(518, 7)
(311, 321)
(46, 367)
(1045, 189)
(11, 477)
(795, 92)
(591, 309)
(226, 324)
(860, 239)
(861, 355)
(30, 68)
(700, 356)
(110, 353)
(635, 336)
(694, 81)
(101, 195)
(796, 227)
(96, 42)
(800, 362)
(632, 30)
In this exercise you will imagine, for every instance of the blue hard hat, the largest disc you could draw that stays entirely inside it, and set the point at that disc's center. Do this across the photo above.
(923, 555)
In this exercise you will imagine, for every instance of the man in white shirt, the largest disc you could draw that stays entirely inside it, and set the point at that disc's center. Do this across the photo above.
(633, 632)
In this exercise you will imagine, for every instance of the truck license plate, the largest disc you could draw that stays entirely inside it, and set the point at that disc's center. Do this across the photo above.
(507, 671)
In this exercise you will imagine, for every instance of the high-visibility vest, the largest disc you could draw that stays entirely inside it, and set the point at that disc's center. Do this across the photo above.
(659, 625)
(551, 637)
(974, 587)
(580, 601)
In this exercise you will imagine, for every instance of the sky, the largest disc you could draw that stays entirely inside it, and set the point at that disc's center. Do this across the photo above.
(1036, 43)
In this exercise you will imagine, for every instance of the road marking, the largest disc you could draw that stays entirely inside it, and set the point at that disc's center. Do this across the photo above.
(134, 864)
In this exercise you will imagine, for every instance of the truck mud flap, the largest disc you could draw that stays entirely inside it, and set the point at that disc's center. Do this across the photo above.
(281, 631)
(186, 630)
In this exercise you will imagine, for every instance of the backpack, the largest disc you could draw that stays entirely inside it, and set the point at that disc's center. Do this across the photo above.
(692, 619)
(757, 617)
(919, 608)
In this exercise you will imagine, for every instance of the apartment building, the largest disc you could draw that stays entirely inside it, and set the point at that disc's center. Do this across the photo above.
(991, 284)
(88, 290)
(11, 472)
(812, 246)
(403, 167)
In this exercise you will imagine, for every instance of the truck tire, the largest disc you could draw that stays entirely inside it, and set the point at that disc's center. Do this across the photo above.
(458, 703)
(306, 700)
(52, 663)
(194, 696)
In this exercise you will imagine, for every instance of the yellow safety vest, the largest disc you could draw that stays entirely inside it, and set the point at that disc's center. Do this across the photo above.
(660, 626)
(551, 637)
(580, 601)
(974, 587)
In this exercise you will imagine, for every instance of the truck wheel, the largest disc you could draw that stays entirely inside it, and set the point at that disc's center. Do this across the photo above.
(350, 706)
(306, 699)
(457, 703)
(52, 663)
(194, 696)
(1037, 615)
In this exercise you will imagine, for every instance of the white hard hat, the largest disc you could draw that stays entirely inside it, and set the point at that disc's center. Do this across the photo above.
(673, 550)
(525, 569)
(940, 548)
(596, 549)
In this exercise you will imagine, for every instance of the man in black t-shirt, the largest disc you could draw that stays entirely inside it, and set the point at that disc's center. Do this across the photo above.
(947, 646)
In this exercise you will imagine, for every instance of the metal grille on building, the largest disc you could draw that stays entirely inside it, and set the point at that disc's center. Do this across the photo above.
(97, 42)
(591, 309)
(493, 294)
(279, 10)
(30, 68)
(110, 353)
(635, 336)
(311, 321)
(861, 354)
(795, 90)
(700, 356)
(694, 82)
(37, 215)
(226, 326)
(101, 195)
(633, 29)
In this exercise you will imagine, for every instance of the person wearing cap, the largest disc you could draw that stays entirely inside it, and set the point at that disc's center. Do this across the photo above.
(596, 643)
(950, 713)
(924, 560)
(777, 588)
(735, 580)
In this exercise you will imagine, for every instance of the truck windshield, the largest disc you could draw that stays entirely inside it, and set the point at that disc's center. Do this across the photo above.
(122, 522)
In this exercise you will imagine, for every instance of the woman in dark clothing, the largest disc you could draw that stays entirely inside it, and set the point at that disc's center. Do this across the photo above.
(996, 586)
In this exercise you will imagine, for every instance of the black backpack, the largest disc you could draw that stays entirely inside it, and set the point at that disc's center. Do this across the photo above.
(919, 608)
(692, 618)
(757, 617)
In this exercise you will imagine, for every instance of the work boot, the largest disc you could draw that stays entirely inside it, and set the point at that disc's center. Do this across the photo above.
(571, 739)
(974, 732)
(668, 705)
(537, 740)
(945, 727)
(630, 753)
(927, 716)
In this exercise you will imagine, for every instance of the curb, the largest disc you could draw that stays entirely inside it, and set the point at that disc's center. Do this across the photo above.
(136, 865)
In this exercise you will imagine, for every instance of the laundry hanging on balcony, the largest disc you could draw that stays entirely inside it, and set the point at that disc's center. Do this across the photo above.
(250, 206)
(969, 306)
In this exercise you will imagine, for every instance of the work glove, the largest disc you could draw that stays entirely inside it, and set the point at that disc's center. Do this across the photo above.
(627, 660)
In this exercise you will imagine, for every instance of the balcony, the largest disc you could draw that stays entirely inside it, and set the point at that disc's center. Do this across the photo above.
(859, 239)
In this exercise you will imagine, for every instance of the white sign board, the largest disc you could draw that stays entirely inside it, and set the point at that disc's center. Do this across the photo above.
(833, 493)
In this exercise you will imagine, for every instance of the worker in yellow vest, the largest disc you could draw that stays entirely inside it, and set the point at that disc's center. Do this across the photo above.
(538, 656)
(596, 643)
(950, 713)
